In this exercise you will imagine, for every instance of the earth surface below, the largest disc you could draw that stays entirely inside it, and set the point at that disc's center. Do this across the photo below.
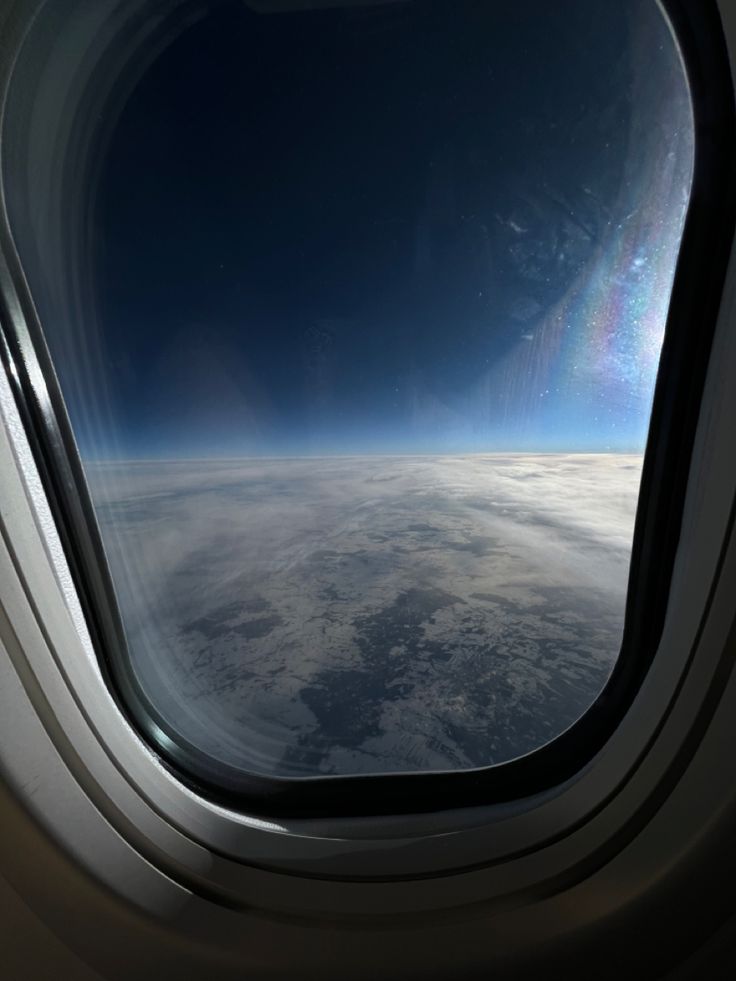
(370, 614)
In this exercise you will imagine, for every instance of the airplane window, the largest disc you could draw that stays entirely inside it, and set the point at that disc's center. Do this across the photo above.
(359, 346)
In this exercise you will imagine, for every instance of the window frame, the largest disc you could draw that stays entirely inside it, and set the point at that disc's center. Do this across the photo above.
(518, 786)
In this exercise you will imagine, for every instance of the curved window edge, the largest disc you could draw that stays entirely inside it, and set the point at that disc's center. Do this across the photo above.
(696, 295)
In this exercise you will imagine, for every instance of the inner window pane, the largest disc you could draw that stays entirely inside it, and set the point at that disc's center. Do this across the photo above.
(360, 359)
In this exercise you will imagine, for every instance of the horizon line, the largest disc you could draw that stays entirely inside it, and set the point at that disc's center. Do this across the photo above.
(356, 456)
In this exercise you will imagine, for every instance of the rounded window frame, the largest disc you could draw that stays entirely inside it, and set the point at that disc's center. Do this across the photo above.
(132, 786)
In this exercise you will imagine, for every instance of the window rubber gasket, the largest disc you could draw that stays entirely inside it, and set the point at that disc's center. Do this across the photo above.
(695, 302)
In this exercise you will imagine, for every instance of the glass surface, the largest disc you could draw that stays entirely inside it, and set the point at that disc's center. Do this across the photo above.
(360, 346)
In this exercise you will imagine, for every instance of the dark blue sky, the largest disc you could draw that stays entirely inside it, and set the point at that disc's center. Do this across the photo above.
(390, 228)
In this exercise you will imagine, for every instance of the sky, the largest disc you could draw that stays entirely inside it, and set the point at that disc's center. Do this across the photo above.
(411, 227)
